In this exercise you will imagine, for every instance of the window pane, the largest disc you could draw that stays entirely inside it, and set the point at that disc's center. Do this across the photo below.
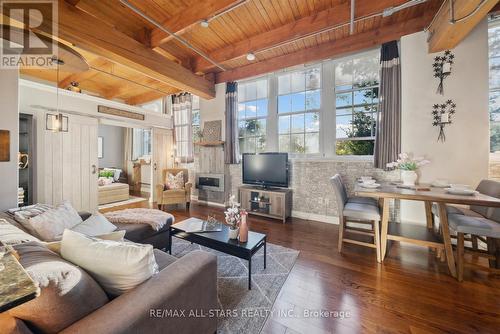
(284, 143)
(260, 127)
(251, 109)
(343, 126)
(261, 106)
(363, 96)
(344, 111)
(362, 125)
(250, 145)
(366, 71)
(312, 122)
(242, 145)
(196, 117)
(284, 124)
(313, 78)
(375, 95)
(261, 89)
(242, 129)
(298, 81)
(255, 127)
(297, 123)
(343, 75)
(251, 91)
(298, 102)
(313, 100)
(355, 147)
(312, 142)
(284, 104)
(261, 144)
(297, 143)
(343, 100)
(195, 102)
(241, 110)
(241, 92)
(284, 84)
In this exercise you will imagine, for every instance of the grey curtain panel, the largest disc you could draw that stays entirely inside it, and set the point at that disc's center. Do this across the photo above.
(183, 130)
(232, 147)
(388, 134)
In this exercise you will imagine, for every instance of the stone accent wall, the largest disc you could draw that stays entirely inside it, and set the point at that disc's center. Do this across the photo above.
(310, 182)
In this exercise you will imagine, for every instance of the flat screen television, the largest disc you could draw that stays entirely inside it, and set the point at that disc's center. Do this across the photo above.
(266, 169)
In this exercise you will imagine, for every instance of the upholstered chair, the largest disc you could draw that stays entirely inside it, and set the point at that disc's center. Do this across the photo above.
(174, 196)
(359, 210)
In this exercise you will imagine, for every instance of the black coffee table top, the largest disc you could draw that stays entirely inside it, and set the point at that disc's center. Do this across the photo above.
(254, 238)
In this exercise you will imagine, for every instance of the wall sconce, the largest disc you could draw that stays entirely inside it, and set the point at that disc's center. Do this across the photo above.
(56, 123)
(4, 145)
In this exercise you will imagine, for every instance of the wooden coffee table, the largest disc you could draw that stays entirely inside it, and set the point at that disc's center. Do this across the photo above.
(220, 241)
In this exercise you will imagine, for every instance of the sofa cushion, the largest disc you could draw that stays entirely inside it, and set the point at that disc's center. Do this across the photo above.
(163, 259)
(96, 224)
(12, 235)
(140, 232)
(67, 293)
(117, 266)
(50, 225)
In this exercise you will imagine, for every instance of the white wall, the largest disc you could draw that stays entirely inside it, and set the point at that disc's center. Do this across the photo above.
(214, 109)
(9, 120)
(463, 158)
(113, 146)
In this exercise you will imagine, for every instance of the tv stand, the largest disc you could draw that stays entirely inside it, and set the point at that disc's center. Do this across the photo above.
(267, 202)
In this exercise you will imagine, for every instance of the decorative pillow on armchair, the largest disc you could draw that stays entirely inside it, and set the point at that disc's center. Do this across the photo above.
(175, 181)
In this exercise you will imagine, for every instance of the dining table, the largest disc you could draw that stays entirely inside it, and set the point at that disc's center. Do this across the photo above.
(423, 234)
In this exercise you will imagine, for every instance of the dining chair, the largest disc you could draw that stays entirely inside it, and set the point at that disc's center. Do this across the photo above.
(359, 210)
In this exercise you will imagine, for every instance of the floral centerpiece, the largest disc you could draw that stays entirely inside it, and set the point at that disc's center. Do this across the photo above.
(233, 217)
(408, 167)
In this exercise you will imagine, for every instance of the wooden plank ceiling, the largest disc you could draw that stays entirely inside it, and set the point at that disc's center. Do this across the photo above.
(281, 33)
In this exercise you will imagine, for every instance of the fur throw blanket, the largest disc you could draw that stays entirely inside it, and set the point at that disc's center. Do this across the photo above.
(155, 218)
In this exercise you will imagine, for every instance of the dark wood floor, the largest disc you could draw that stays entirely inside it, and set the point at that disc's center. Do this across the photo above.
(410, 293)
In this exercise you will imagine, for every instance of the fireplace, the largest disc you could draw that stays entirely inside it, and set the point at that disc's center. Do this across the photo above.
(212, 182)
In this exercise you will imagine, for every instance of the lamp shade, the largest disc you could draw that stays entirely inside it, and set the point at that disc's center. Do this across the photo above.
(4, 145)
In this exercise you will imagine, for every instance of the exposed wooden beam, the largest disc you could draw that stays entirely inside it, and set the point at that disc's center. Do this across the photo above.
(188, 18)
(337, 47)
(300, 28)
(87, 32)
(445, 34)
(146, 97)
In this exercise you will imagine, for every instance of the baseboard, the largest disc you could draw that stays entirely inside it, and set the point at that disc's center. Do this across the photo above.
(315, 217)
(296, 214)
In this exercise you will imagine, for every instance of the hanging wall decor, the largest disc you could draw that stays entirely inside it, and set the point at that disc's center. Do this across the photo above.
(442, 114)
(442, 68)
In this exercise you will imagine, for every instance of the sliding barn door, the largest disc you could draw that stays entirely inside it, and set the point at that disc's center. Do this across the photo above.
(67, 164)
(162, 155)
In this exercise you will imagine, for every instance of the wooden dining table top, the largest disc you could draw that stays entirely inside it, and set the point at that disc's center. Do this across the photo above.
(425, 192)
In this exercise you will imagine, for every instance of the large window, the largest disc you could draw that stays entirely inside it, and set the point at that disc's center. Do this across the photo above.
(299, 104)
(141, 144)
(494, 97)
(356, 102)
(182, 109)
(196, 119)
(252, 115)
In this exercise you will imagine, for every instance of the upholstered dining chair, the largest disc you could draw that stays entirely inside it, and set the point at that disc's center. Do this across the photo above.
(182, 195)
(360, 210)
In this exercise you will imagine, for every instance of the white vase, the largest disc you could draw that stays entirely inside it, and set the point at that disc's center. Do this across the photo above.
(409, 177)
(233, 233)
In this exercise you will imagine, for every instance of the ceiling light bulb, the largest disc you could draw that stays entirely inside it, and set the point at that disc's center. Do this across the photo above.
(204, 23)
(250, 56)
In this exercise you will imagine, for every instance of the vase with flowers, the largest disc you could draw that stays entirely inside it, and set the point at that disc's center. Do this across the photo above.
(233, 217)
(408, 165)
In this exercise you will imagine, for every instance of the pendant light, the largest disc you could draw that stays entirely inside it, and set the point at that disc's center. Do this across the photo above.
(57, 122)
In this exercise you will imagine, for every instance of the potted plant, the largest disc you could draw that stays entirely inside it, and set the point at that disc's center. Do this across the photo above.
(408, 167)
(233, 217)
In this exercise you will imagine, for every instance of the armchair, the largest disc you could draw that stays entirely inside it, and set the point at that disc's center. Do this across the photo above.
(174, 196)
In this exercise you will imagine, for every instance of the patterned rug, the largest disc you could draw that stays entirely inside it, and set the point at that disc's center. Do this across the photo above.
(249, 308)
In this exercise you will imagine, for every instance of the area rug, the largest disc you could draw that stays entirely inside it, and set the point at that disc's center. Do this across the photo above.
(249, 308)
(132, 199)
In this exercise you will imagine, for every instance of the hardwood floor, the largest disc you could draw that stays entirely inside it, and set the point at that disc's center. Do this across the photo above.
(411, 292)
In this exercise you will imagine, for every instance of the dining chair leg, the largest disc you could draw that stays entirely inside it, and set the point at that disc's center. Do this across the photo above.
(342, 223)
(385, 226)
(376, 238)
(474, 242)
(460, 256)
(450, 258)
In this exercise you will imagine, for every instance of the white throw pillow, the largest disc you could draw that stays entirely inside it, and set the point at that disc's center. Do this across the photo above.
(95, 225)
(50, 225)
(117, 266)
(55, 246)
(11, 235)
(175, 181)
